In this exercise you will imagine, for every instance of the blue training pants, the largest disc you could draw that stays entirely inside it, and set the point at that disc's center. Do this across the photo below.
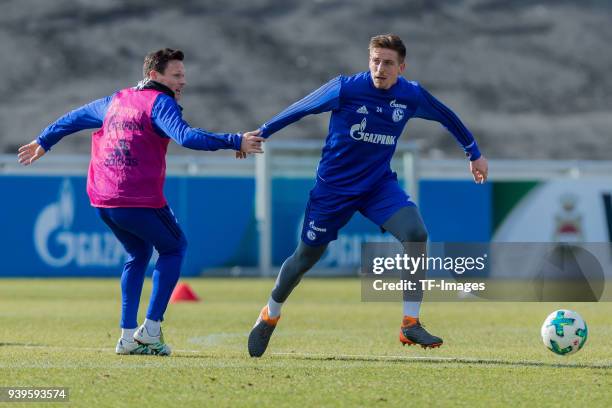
(140, 230)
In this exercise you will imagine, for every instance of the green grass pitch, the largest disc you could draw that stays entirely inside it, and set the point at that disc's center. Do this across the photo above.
(329, 349)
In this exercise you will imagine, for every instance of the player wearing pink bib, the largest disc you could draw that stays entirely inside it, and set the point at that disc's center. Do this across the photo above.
(126, 179)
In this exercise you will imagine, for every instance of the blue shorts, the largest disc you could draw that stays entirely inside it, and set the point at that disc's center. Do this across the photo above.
(328, 209)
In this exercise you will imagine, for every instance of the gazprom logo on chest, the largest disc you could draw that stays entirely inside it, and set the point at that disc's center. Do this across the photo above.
(358, 132)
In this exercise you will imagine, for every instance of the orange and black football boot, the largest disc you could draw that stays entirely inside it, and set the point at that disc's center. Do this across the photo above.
(261, 333)
(412, 332)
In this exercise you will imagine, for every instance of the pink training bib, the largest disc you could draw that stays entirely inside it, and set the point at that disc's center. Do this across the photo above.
(128, 157)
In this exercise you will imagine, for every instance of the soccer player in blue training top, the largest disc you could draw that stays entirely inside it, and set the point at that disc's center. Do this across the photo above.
(369, 112)
(126, 178)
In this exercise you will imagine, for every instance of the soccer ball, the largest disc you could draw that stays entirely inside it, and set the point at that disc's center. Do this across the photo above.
(564, 332)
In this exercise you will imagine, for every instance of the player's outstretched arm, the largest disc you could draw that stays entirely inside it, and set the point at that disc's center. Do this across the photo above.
(88, 116)
(30, 152)
(324, 99)
(251, 143)
(480, 169)
(432, 109)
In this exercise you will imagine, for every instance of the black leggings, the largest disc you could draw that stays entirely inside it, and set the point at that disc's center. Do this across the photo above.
(406, 225)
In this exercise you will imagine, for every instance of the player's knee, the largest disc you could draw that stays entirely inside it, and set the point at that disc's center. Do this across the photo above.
(140, 255)
(416, 234)
(182, 247)
(146, 253)
(420, 234)
(305, 259)
(177, 248)
(298, 262)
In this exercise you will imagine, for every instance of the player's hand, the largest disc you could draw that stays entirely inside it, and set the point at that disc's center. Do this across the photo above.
(30, 152)
(251, 143)
(480, 169)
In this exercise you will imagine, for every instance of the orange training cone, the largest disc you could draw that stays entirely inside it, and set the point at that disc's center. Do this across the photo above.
(183, 293)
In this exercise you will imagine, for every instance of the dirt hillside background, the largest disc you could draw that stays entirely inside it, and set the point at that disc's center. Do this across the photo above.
(531, 79)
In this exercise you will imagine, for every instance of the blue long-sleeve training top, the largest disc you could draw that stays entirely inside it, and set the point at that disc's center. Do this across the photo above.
(365, 126)
(166, 117)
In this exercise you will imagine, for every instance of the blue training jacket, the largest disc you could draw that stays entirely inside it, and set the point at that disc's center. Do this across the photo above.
(167, 121)
(365, 125)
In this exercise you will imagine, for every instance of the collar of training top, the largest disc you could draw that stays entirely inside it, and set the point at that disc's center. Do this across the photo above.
(150, 84)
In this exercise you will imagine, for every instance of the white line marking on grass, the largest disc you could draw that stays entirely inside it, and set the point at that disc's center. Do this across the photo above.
(460, 360)
(359, 357)
(366, 357)
(73, 348)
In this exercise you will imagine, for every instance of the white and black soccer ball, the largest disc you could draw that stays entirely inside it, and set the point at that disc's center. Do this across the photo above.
(564, 332)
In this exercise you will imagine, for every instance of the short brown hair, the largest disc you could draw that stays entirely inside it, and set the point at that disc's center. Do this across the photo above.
(390, 41)
(158, 60)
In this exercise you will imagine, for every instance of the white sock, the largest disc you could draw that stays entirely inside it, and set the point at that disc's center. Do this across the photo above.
(153, 327)
(412, 309)
(128, 334)
(274, 308)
